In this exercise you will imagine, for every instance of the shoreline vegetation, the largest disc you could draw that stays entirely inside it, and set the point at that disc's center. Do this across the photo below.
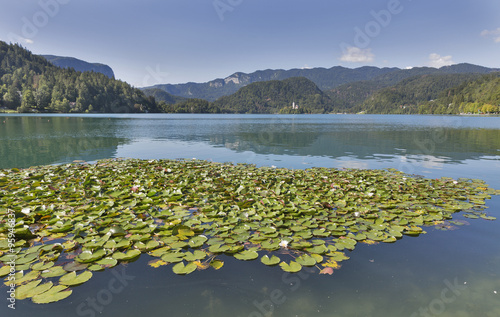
(31, 84)
(71, 220)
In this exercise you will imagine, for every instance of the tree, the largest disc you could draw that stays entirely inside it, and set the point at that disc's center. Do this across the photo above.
(28, 101)
(12, 99)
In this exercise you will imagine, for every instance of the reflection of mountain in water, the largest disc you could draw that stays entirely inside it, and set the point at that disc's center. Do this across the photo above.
(27, 141)
(454, 145)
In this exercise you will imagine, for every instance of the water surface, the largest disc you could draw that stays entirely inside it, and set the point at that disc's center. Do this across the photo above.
(441, 273)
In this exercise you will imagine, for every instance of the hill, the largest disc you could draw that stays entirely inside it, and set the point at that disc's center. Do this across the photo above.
(478, 96)
(351, 96)
(292, 95)
(30, 83)
(408, 94)
(79, 65)
(162, 95)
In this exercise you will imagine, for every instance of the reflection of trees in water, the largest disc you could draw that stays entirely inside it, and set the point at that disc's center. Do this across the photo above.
(27, 141)
(454, 144)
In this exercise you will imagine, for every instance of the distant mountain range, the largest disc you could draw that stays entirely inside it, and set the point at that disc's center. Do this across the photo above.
(79, 65)
(432, 91)
(325, 79)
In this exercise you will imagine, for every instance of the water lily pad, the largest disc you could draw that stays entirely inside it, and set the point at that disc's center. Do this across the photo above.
(182, 269)
(4, 270)
(197, 241)
(173, 257)
(217, 264)
(306, 260)
(274, 260)
(54, 272)
(32, 289)
(125, 256)
(89, 256)
(75, 266)
(72, 278)
(246, 255)
(54, 294)
(291, 267)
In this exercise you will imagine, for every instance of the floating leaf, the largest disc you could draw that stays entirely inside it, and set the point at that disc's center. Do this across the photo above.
(327, 270)
(53, 272)
(246, 255)
(32, 289)
(274, 260)
(89, 256)
(129, 255)
(306, 260)
(173, 257)
(217, 264)
(197, 241)
(71, 279)
(291, 267)
(54, 294)
(157, 263)
(182, 269)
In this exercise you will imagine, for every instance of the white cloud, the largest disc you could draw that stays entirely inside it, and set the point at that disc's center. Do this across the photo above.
(436, 60)
(356, 55)
(495, 34)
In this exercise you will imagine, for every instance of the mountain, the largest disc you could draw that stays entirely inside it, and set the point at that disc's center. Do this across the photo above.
(476, 96)
(324, 78)
(347, 96)
(412, 92)
(30, 83)
(79, 65)
(292, 95)
(162, 95)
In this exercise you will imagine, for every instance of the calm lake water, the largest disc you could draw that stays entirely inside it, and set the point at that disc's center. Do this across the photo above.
(442, 273)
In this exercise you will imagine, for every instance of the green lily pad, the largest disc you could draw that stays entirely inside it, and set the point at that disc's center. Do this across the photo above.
(4, 270)
(217, 264)
(197, 241)
(182, 269)
(274, 260)
(291, 267)
(53, 272)
(125, 256)
(246, 255)
(54, 294)
(72, 278)
(306, 260)
(41, 266)
(32, 289)
(89, 256)
(173, 257)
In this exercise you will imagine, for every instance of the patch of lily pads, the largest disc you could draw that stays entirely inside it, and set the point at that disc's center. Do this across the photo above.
(73, 219)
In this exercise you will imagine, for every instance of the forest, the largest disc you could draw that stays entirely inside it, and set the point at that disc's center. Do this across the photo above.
(29, 83)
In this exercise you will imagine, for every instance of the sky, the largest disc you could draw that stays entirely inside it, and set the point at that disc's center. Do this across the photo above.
(152, 42)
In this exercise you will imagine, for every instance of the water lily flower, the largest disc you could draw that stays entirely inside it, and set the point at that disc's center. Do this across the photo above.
(283, 244)
(356, 214)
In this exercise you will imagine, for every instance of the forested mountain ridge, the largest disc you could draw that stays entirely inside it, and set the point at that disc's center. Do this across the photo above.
(79, 65)
(30, 83)
(437, 94)
(412, 92)
(324, 78)
(292, 95)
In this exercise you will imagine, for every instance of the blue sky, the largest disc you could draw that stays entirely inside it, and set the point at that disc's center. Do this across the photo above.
(175, 41)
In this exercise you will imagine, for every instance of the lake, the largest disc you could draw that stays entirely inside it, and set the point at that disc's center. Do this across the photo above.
(441, 273)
